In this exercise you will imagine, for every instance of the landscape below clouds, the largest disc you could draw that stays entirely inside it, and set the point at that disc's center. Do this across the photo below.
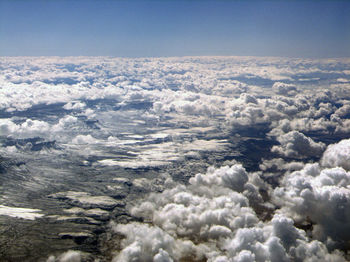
(174, 159)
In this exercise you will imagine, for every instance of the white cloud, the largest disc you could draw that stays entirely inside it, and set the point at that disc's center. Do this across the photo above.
(284, 89)
(69, 256)
(147, 243)
(321, 196)
(18, 212)
(74, 105)
(84, 139)
(185, 221)
(337, 155)
(296, 144)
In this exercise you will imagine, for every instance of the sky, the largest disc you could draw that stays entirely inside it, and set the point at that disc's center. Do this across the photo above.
(148, 28)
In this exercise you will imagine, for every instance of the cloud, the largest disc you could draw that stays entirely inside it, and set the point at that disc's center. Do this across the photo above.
(149, 243)
(319, 195)
(216, 206)
(277, 164)
(188, 211)
(284, 89)
(245, 111)
(29, 128)
(84, 139)
(69, 256)
(296, 144)
(173, 115)
(337, 155)
(74, 105)
(24, 213)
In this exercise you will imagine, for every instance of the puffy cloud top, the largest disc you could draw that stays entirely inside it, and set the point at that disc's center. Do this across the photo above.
(215, 206)
(337, 155)
(284, 89)
(322, 196)
(296, 144)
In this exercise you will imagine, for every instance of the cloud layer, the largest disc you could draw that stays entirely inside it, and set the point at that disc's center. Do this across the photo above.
(99, 139)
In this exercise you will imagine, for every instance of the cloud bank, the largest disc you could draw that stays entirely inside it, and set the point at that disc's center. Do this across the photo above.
(127, 142)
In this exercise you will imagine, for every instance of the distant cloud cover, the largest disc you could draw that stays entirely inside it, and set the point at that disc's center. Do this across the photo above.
(182, 158)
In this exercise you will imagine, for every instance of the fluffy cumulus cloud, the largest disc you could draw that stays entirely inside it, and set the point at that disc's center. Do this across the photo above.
(29, 128)
(337, 155)
(296, 144)
(149, 243)
(69, 256)
(187, 207)
(284, 89)
(215, 218)
(74, 105)
(318, 196)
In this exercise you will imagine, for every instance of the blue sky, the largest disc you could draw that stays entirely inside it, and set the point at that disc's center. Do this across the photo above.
(131, 28)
